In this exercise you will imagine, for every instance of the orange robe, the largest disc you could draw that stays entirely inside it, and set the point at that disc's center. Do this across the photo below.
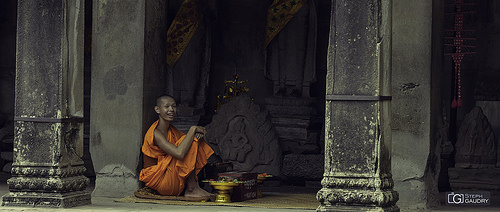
(167, 174)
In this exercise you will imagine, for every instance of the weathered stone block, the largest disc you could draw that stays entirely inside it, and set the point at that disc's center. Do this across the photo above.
(306, 166)
(112, 178)
(48, 200)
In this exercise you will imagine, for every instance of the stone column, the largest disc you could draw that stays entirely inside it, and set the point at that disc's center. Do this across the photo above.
(47, 169)
(357, 173)
(128, 61)
(417, 79)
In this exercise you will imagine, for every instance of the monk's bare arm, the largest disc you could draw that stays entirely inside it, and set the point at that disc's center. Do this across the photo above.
(181, 150)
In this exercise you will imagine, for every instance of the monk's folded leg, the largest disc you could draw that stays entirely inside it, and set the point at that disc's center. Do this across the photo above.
(170, 175)
(195, 159)
(204, 152)
(172, 184)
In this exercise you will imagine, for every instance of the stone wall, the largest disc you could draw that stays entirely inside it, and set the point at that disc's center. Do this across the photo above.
(487, 67)
(487, 92)
(411, 106)
(123, 89)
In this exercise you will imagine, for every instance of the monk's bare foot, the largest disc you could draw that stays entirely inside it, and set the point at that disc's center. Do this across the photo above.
(196, 191)
(205, 193)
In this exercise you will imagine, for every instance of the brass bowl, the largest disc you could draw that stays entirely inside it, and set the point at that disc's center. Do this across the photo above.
(221, 185)
(223, 189)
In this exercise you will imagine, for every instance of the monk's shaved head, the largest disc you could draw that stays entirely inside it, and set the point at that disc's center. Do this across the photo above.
(162, 97)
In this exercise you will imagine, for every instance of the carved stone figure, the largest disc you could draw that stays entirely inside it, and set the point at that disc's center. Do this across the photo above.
(242, 134)
(476, 146)
(236, 140)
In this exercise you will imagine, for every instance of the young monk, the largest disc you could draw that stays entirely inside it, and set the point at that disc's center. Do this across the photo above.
(173, 159)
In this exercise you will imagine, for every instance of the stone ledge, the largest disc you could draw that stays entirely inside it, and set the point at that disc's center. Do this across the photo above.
(48, 184)
(47, 200)
(369, 197)
(325, 208)
(474, 179)
(290, 101)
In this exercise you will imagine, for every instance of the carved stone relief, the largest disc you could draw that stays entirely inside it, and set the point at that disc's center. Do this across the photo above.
(242, 134)
(476, 146)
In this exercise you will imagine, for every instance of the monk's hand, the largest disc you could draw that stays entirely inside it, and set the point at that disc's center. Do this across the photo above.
(199, 136)
(199, 131)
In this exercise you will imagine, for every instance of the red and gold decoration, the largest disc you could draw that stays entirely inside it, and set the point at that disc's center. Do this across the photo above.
(182, 29)
(280, 12)
(462, 43)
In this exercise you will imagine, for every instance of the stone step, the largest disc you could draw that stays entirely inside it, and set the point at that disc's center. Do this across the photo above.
(294, 111)
(291, 122)
(287, 133)
(296, 148)
(469, 178)
(290, 101)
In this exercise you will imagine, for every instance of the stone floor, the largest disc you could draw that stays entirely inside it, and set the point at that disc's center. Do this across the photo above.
(107, 204)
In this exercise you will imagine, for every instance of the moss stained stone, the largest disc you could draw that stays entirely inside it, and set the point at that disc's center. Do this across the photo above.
(357, 173)
(47, 170)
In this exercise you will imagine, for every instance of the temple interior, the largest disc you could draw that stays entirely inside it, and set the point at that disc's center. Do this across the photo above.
(265, 101)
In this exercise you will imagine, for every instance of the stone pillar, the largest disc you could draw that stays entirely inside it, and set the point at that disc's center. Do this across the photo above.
(414, 106)
(128, 61)
(357, 173)
(48, 145)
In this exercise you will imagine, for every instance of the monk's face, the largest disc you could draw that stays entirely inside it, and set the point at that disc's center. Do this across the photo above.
(166, 108)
